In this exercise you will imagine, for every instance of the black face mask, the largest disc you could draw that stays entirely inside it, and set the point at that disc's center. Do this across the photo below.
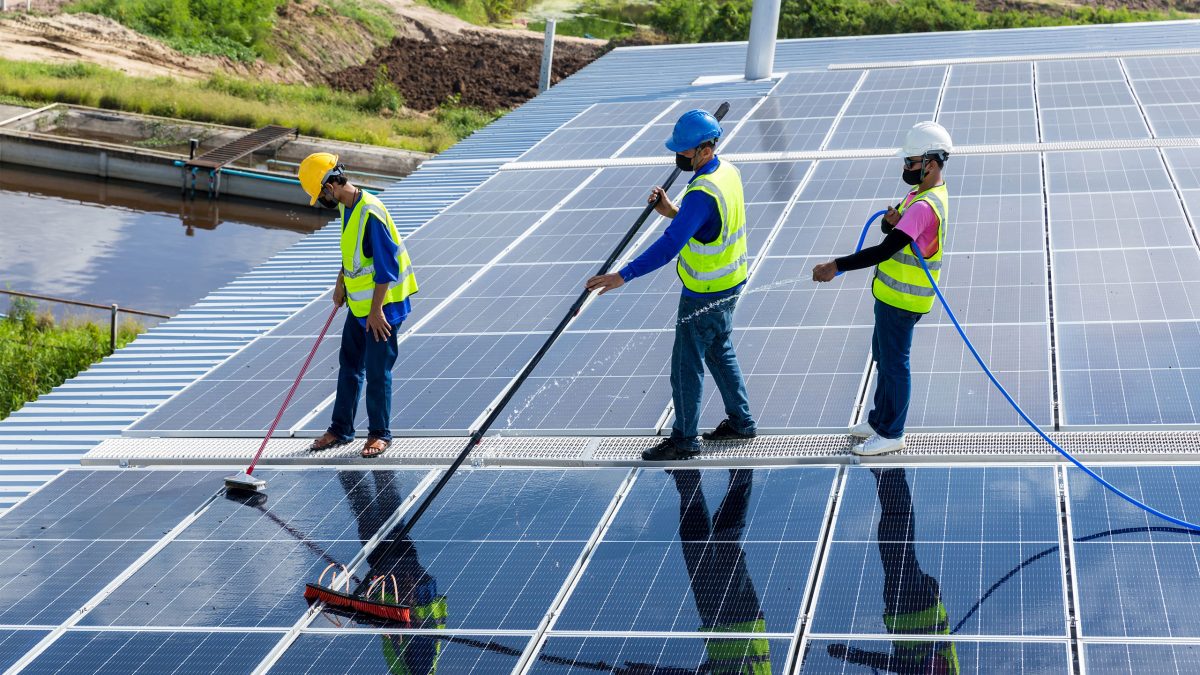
(684, 163)
(912, 176)
(327, 203)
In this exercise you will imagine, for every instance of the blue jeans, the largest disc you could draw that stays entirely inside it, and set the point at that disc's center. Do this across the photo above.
(890, 346)
(705, 337)
(364, 356)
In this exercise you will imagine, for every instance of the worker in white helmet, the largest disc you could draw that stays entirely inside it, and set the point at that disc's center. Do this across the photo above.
(902, 292)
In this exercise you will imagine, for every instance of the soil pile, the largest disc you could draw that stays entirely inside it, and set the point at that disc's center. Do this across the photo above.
(484, 70)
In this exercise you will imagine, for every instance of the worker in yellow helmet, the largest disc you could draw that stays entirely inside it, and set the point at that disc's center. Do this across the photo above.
(903, 294)
(376, 281)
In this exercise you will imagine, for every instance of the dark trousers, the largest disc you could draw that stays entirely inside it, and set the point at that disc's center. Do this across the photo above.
(890, 347)
(364, 357)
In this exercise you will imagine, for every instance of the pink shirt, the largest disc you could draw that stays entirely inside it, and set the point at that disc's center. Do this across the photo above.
(920, 222)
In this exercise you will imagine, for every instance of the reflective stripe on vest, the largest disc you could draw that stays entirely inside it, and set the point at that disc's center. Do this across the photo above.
(721, 264)
(900, 281)
(358, 273)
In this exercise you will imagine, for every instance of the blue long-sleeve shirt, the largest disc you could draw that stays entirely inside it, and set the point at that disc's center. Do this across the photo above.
(698, 218)
(387, 268)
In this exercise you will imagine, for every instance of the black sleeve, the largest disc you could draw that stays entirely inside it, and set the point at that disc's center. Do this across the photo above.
(883, 223)
(869, 257)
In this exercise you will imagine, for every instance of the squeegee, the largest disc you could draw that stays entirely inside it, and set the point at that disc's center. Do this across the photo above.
(246, 481)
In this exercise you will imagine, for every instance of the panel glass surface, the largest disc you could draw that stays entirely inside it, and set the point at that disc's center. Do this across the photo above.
(819, 82)
(497, 545)
(799, 106)
(697, 550)
(905, 540)
(583, 143)
(950, 390)
(799, 380)
(14, 644)
(1079, 70)
(1117, 658)
(71, 538)
(824, 229)
(1181, 120)
(1136, 574)
(873, 131)
(1132, 284)
(466, 238)
(833, 657)
(905, 79)
(561, 655)
(522, 191)
(445, 382)
(596, 381)
(1120, 220)
(534, 297)
(1185, 90)
(582, 234)
(1089, 171)
(779, 135)
(153, 653)
(974, 99)
(993, 127)
(419, 654)
(990, 74)
(1185, 166)
(1084, 95)
(630, 113)
(1155, 67)
(245, 561)
(1109, 123)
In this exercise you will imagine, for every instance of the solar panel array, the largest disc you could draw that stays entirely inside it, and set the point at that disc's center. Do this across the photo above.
(559, 570)
(1073, 269)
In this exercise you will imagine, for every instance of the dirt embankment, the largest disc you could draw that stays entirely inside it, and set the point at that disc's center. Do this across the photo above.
(484, 70)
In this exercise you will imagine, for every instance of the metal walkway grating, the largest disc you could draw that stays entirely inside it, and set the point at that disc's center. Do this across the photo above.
(237, 149)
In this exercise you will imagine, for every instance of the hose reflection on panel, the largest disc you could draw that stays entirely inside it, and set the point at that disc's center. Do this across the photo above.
(912, 599)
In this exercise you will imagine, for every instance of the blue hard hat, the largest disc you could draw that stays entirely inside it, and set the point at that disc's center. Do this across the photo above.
(693, 128)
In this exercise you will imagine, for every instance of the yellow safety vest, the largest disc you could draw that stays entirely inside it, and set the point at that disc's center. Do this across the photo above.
(432, 615)
(899, 280)
(358, 272)
(738, 656)
(931, 621)
(720, 264)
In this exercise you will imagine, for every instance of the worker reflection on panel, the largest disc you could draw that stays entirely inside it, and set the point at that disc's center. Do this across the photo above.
(912, 599)
(374, 498)
(716, 566)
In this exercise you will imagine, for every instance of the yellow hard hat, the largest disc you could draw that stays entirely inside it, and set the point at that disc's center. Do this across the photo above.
(314, 172)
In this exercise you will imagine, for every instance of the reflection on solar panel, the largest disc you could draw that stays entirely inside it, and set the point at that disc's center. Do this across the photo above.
(659, 655)
(410, 653)
(150, 652)
(1115, 658)
(705, 550)
(931, 542)
(1134, 574)
(830, 657)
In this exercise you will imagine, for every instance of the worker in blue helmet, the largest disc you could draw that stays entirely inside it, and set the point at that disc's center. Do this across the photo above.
(707, 240)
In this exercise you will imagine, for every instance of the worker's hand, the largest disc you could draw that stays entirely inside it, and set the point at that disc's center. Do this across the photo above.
(662, 203)
(339, 294)
(378, 326)
(605, 282)
(825, 271)
(891, 218)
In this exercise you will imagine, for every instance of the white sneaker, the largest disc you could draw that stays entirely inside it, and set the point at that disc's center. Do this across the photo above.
(862, 430)
(878, 445)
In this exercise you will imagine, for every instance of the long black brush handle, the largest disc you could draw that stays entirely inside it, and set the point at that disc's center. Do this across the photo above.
(477, 437)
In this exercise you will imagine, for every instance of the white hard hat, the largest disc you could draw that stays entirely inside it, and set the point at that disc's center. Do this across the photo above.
(924, 138)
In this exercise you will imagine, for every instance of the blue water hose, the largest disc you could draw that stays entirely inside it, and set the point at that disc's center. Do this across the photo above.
(1033, 425)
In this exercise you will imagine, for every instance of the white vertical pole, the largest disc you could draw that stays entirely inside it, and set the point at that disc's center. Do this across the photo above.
(547, 57)
(760, 52)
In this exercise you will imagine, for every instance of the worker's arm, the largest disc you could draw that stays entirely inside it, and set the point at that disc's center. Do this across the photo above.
(893, 243)
(387, 271)
(694, 211)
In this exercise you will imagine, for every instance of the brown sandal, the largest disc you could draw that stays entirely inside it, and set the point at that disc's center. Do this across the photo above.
(375, 447)
(326, 442)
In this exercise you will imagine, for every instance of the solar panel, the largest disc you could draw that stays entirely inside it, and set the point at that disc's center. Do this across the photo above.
(499, 544)
(819, 82)
(1115, 658)
(581, 143)
(904, 79)
(1078, 70)
(1162, 67)
(443, 383)
(1084, 94)
(659, 655)
(70, 539)
(991, 127)
(244, 562)
(533, 298)
(799, 106)
(873, 131)
(1092, 124)
(906, 539)
(780, 135)
(151, 652)
(624, 114)
(1000, 97)
(903, 102)
(830, 657)
(411, 652)
(990, 75)
(596, 381)
(700, 550)
(1135, 574)
(1141, 170)
(16, 643)
(1174, 121)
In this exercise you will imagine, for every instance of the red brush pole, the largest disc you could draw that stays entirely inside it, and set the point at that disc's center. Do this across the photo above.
(291, 392)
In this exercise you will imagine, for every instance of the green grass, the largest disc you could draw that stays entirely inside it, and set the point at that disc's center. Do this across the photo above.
(372, 15)
(315, 111)
(238, 29)
(37, 353)
(471, 11)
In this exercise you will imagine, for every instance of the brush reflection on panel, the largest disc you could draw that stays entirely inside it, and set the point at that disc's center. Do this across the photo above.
(407, 582)
(912, 599)
(716, 564)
